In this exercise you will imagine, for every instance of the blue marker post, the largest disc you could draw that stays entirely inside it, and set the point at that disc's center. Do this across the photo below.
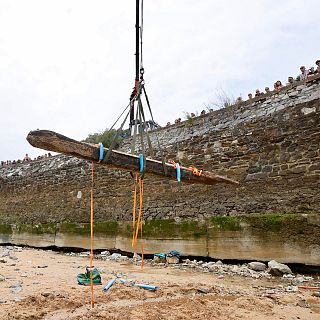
(145, 286)
(109, 285)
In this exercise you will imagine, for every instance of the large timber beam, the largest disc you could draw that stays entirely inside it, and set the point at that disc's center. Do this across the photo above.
(52, 141)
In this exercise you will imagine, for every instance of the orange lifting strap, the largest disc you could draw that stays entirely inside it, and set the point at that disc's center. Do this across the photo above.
(195, 171)
(137, 222)
(91, 234)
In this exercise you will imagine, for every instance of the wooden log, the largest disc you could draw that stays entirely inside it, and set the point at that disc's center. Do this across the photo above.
(52, 141)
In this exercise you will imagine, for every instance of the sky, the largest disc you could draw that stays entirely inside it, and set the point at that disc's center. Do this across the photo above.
(69, 65)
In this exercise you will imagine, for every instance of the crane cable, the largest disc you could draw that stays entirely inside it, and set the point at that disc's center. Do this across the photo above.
(141, 42)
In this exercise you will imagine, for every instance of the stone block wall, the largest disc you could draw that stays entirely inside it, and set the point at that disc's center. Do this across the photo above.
(270, 145)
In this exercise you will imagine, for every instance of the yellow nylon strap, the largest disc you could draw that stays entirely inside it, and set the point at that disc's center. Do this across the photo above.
(137, 222)
(91, 234)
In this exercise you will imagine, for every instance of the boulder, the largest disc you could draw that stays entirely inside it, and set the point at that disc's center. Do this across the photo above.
(172, 260)
(159, 258)
(278, 269)
(257, 266)
(115, 256)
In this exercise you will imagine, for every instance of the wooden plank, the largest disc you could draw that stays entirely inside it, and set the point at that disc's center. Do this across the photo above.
(52, 141)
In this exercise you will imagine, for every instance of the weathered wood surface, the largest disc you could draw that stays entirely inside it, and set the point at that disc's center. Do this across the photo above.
(52, 141)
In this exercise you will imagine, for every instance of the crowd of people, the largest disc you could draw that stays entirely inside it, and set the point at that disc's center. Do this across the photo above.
(9, 163)
(191, 115)
(304, 74)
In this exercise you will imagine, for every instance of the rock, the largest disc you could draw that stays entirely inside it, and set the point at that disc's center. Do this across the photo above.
(208, 264)
(270, 291)
(288, 276)
(136, 257)
(16, 287)
(278, 269)
(172, 260)
(203, 290)
(219, 263)
(46, 294)
(214, 267)
(301, 279)
(84, 254)
(302, 303)
(2, 278)
(105, 253)
(158, 259)
(235, 269)
(124, 258)
(5, 253)
(115, 256)
(292, 289)
(3, 261)
(257, 266)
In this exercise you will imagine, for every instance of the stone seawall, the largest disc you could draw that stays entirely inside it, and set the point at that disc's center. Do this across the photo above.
(271, 146)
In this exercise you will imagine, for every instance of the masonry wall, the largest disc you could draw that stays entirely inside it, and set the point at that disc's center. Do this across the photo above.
(270, 145)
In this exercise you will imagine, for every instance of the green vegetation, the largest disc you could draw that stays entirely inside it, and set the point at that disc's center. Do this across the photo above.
(36, 229)
(106, 228)
(106, 137)
(169, 228)
(221, 100)
(273, 222)
(227, 223)
(256, 224)
(5, 229)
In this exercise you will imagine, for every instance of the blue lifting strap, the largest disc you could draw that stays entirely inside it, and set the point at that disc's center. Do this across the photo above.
(178, 172)
(141, 163)
(100, 151)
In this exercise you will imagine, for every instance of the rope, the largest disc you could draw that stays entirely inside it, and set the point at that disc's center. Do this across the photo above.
(119, 117)
(137, 223)
(91, 234)
(134, 209)
(141, 204)
(195, 171)
(133, 142)
(165, 170)
(141, 135)
(143, 121)
(114, 140)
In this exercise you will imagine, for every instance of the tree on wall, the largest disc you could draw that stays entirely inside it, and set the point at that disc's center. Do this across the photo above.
(106, 137)
(221, 100)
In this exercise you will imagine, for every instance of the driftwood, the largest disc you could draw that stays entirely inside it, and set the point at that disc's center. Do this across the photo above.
(56, 142)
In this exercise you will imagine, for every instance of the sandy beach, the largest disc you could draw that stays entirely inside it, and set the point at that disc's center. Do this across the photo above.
(38, 284)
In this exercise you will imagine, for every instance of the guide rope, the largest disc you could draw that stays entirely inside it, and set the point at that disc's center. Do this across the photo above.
(91, 234)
